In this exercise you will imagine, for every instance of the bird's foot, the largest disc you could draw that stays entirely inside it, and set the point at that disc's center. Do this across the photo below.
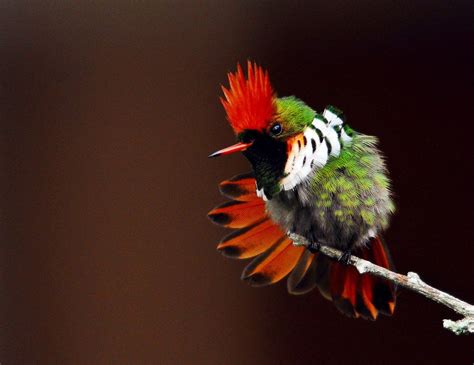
(314, 247)
(345, 257)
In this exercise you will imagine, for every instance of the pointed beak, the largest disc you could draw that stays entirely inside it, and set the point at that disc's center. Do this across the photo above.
(238, 147)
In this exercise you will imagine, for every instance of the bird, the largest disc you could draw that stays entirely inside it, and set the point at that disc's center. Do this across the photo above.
(311, 175)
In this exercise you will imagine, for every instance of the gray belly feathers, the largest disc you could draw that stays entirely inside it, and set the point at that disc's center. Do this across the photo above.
(297, 212)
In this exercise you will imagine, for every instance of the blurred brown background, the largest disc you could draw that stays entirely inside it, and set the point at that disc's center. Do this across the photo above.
(108, 112)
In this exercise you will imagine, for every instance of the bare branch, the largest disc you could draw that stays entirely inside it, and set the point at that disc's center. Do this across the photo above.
(411, 281)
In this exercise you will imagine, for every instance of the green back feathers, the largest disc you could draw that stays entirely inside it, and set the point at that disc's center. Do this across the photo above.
(357, 180)
(355, 160)
(294, 114)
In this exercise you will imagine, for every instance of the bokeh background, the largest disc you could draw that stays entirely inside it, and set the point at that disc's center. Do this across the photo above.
(108, 112)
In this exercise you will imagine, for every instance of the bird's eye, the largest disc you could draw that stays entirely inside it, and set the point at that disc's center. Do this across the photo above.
(276, 129)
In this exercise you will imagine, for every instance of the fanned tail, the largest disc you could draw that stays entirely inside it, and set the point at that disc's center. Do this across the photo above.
(274, 256)
(355, 295)
(257, 235)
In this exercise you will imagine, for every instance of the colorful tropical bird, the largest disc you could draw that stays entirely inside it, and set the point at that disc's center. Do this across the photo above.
(312, 175)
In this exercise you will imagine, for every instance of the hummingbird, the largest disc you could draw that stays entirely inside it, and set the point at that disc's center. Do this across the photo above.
(312, 175)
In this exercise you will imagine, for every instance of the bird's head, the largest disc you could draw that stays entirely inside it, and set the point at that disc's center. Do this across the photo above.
(266, 127)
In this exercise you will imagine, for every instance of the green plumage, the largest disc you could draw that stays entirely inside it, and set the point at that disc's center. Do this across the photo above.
(354, 186)
(294, 114)
(346, 200)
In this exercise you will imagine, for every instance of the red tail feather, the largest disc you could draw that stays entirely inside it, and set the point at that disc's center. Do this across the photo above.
(274, 264)
(235, 214)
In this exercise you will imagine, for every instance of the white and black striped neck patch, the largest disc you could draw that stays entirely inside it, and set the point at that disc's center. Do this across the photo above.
(310, 150)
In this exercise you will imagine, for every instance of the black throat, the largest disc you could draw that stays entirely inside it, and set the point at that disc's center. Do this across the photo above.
(268, 157)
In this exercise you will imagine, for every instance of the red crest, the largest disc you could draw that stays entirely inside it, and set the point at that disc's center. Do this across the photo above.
(249, 103)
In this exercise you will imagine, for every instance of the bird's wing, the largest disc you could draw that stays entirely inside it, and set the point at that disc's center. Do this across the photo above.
(274, 256)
